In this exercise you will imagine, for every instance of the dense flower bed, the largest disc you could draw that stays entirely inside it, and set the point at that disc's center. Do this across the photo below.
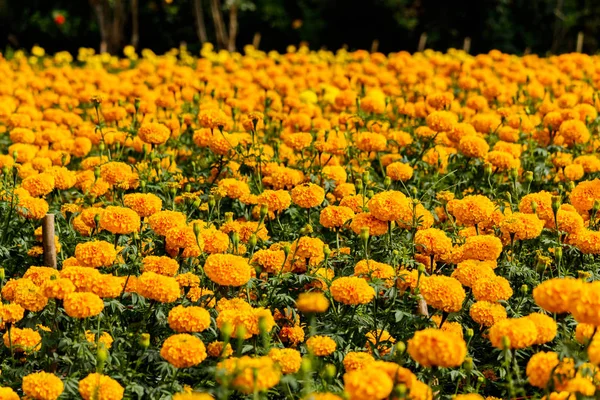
(306, 225)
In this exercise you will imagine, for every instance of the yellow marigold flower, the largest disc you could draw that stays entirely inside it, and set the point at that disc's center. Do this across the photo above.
(472, 210)
(574, 132)
(163, 221)
(470, 396)
(95, 254)
(336, 173)
(57, 288)
(370, 141)
(433, 241)
(546, 327)
(320, 345)
(104, 338)
(487, 313)
(584, 304)
(574, 172)
(154, 133)
(352, 291)
(32, 208)
(399, 171)
(160, 264)
(144, 204)
(380, 340)
(588, 241)
(367, 384)
(335, 216)
(289, 360)
(29, 296)
(39, 185)
(83, 305)
(482, 248)
(189, 319)
(470, 271)
(308, 195)
(227, 269)
(442, 292)
(250, 373)
(23, 340)
(83, 278)
(7, 393)
(164, 289)
(100, 387)
(120, 220)
(473, 146)
(493, 289)
(234, 188)
(436, 348)
(312, 302)
(275, 200)
(42, 386)
(543, 205)
(11, 313)
(119, 174)
(447, 326)
(369, 270)
(215, 349)
(584, 332)
(183, 350)
(39, 275)
(355, 360)
(389, 205)
(520, 333)
(521, 226)
(554, 295)
(367, 220)
(271, 261)
(580, 385)
(540, 368)
(441, 121)
(293, 335)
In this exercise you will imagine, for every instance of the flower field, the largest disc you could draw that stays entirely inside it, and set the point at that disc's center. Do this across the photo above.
(307, 225)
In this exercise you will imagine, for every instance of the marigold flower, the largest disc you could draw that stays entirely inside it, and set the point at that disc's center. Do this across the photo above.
(487, 313)
(546, 327)
(100, 387)
(7, 393)
(160, 264)
(482, 248)
(335, 216)
(380, 340)
(473, 146)
(39, 185)
(104, 338)
(367, 220)
(399, 171)
(28, 295)
(442, 292)
(164, 289)
(183, 350)
(83, 305)
(289, 360)
(554, 295)
(574, 132)
(436, 348)
(433, 241)
(308, 195)
(369, 270)
(144, 204)
(357, 360)
(249, 374)
(494, 288)
(42, 386)
(320, 345)
(543, 206)
(154, 133)
(163, 221)
(441, 121)
(218, 350)
(520, 333)
(352, 291)
(472, 210)
(312, 302)
(189, 319)
(227, 269)
(367, 384)
(23, 340)
(120, 220)
(95, 254)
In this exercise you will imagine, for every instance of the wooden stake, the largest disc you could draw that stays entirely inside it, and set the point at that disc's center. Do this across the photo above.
(422, 42)
(422, 307)
(48, 241)
(256, 40)
(375, 46)
(579, 42)
(467, 45)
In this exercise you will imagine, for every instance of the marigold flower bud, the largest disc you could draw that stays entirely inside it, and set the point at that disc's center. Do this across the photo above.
(2, 274)
(144, 340)
(468, 364)
(326, 251)
(469, 333)
(596, 206)
(387, 182)
(487, 169)
(358, 184)
(286, 250)
(306, 365)
(330, 371)
(528, 177)
(97, 173)
(505, 342)
(364, 234)
(524, 289)
(264, 209)
(400, 348)
(252, 240)
(558, 253)
(534, 207)
(211, 201)
(102, 353)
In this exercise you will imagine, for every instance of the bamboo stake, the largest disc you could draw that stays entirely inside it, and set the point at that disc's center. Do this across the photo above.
(256, 40)
(467, 45)
(422, 42)
(422, 307)
(375, 46)
(48, 241)
(579, 42)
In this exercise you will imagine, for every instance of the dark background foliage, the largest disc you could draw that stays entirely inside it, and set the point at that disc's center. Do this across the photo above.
(515, 26)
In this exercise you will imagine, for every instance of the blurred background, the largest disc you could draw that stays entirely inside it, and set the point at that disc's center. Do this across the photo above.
(514, 26)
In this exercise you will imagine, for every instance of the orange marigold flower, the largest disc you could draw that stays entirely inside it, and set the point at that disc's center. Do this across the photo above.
(308, 195)
(441, 121)
(289, 360)
(42, 386)
(546, 327)
(250, 373)
(164, 289)
(355, 360)
(399, 171)
(554, 295)
(227, 269)
(23, 340)
(519, 333)
(367, 384)
(320, 345)
(189, 319)
(494, 288)
(95, 254)
(312, 302)
(154, 133)
(335, 216)
(183, 350)
(442, 292)
(96, 386)
(436, 348)
(120, 220)
(83, 305)
(160, 264)
(352, 291)
(367, 220)
(487, 313)
(473, 146)
(144, 204)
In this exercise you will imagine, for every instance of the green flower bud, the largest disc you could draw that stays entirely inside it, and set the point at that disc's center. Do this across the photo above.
(358, 184)
(330, 371)
(528, 177)
(252, 240)
(505, 342)
(524, 289)
(469, 333)
(487, 169)
(364, 234)
(2, 274)
(102, 353)
(306, 365)
(387, 182)
(144, 340)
